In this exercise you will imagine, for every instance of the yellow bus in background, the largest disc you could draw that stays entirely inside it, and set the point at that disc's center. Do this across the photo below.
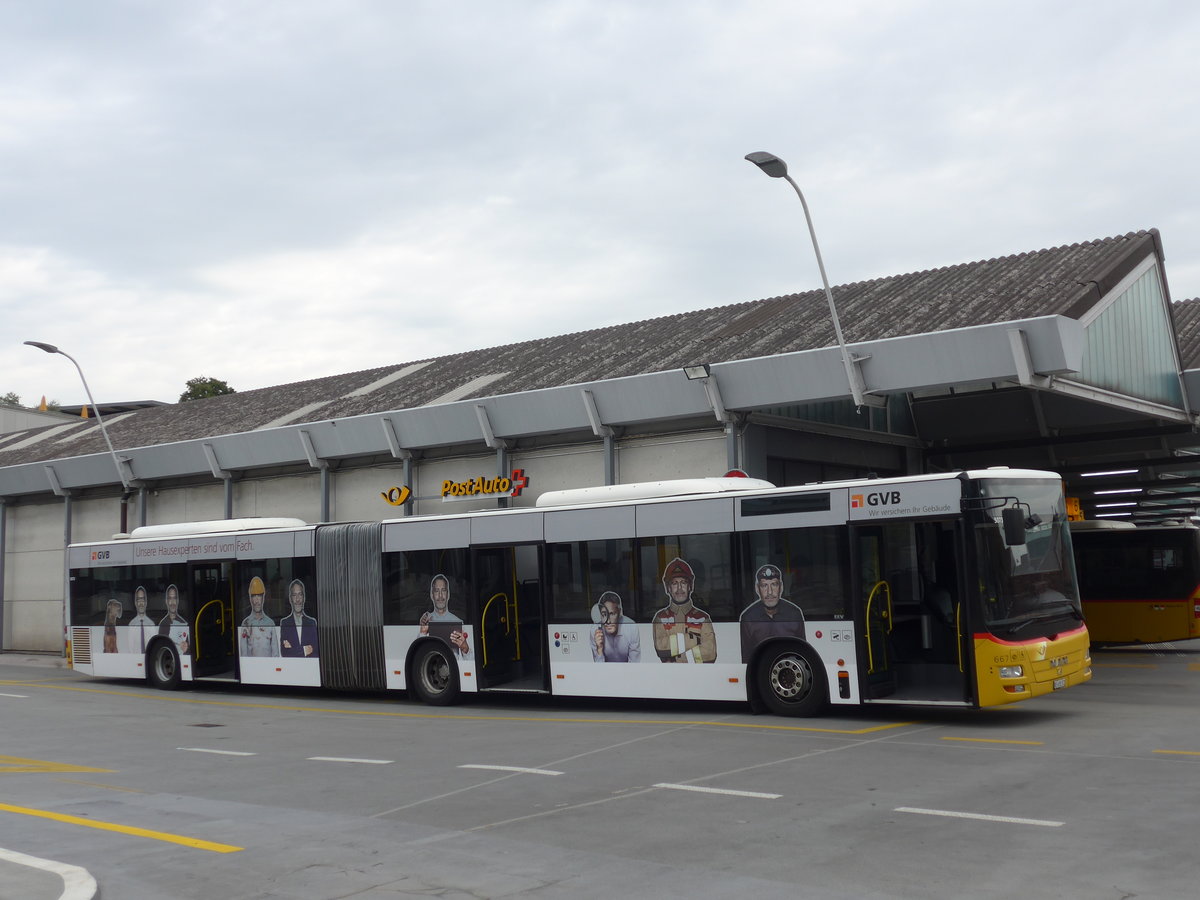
(1139, 584)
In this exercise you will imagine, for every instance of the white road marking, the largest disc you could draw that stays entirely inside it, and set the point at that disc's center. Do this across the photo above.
(514, 769)
(371, 762)
(221, 752)
(78, 883)
(18, 696)
(963, 815)
(711, 790)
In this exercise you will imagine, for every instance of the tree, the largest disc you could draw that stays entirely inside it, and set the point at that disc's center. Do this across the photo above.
(12, 399)
(202, 386)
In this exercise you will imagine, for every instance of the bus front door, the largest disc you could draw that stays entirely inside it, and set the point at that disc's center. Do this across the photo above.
(909, 613)
(214, 652)
(508, 598)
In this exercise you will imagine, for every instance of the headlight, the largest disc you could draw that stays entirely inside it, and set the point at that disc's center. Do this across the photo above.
(1011, 671)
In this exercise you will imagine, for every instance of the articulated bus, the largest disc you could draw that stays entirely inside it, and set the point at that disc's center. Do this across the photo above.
(1139, 584)
(951, 589)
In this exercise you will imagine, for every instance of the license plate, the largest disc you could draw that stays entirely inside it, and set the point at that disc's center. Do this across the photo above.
(1060, 683)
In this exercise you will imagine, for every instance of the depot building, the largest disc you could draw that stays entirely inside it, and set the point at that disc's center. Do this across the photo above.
(1073, 359)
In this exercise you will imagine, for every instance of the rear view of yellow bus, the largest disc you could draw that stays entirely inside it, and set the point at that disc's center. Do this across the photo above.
(1139, 584)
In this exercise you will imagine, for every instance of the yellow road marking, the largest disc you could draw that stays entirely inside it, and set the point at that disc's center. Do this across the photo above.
(993, 741)
(123, 829)
(870, 729)
(1180, 752)
(13, 764)
(1194, 667)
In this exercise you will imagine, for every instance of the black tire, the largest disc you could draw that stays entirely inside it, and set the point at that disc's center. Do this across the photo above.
(791, 680)
(162, 666)
(435, 674)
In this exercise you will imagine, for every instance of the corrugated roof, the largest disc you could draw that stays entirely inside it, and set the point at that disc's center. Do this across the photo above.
(1062, 280)
(1187, 331)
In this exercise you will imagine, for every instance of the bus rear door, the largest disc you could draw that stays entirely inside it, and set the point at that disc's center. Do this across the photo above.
(508, 597)
(214, 649)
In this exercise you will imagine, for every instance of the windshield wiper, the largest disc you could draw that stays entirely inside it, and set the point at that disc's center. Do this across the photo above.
(1045, 617)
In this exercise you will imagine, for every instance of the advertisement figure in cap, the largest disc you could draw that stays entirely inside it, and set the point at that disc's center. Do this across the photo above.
(770, 616)
(257, 636)
(683, 633)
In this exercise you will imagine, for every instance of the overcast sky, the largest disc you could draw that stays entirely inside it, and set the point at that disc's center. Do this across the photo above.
(266, 192)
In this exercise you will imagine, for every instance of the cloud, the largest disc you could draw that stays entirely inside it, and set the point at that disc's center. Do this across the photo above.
(269, 192)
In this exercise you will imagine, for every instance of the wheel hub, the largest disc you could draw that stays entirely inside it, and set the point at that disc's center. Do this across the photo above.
(789, 678)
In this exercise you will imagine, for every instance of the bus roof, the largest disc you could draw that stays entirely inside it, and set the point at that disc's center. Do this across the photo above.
(609, 493)
(182, 529)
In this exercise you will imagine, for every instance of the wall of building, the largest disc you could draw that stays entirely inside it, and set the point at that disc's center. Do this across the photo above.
(298, 496)
(356, 493)
(699, 455)
(17, 418)
(34, 576)
(195, 503)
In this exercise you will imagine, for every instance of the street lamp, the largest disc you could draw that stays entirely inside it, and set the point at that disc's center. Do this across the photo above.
(50, 348)
(777, 168)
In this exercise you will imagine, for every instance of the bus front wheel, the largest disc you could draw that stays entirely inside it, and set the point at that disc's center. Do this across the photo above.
(791, 680)
(162, 666)
(435, 675)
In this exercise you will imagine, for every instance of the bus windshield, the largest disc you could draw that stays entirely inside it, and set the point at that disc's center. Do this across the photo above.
(1029, 588)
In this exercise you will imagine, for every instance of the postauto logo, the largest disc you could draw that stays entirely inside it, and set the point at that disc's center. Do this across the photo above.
(875, 498)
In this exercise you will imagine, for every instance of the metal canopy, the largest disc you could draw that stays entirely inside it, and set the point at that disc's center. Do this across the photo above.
(1030, 351)
(994, 394)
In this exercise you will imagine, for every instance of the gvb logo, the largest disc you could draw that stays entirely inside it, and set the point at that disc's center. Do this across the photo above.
(99, 554)
(875, 498)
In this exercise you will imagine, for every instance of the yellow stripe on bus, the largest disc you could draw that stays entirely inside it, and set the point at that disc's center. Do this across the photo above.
(123, 829)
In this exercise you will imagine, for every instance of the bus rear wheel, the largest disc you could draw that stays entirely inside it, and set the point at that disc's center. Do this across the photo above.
(791, 681)
(435, 675)
(162, 666)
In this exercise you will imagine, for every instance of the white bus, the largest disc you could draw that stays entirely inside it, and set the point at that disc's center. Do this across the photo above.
(952, 589)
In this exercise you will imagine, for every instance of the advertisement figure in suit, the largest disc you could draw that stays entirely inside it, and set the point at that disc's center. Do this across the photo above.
(141, 627)
(297, 632)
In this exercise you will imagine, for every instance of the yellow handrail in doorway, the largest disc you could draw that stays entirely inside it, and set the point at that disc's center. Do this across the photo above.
(886, 615)
(483, 618)
(196, 630)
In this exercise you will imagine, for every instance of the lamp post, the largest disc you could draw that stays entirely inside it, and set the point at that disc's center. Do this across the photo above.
(777, 168)
(50, 348)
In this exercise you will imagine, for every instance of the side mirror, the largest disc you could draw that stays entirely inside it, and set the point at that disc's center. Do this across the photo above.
(1014, 526)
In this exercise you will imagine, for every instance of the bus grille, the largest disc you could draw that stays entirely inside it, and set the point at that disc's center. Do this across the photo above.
(81, 646)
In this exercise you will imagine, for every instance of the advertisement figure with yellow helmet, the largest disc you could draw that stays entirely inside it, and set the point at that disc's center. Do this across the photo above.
(683, 633)
(257, 636)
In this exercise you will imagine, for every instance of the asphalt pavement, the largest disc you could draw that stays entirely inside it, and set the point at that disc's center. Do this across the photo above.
(24, 877)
